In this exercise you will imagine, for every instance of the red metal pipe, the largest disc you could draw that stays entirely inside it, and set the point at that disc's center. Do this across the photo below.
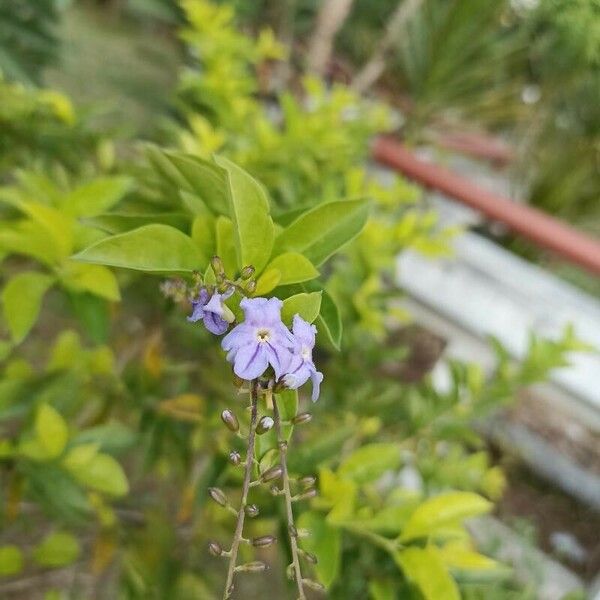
(533, 224)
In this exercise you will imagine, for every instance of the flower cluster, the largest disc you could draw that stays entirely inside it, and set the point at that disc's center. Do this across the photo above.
(261, 340)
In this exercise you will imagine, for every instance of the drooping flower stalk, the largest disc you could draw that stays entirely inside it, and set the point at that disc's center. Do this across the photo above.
(291, 527)
(248, 468)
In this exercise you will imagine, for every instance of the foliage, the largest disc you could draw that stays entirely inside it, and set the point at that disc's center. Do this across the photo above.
(27, 38)
(109, 450)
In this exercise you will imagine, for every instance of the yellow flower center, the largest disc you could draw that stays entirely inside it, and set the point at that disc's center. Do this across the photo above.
(263, 335)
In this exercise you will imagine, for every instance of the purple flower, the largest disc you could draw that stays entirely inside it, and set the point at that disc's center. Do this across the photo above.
(261, 340)
(302, 366)
(215, 315)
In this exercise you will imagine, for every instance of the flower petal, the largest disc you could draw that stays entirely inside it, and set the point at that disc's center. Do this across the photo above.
(262, 311)
(215, 324)
(279, 357)
(251, 361)
(215, 305)
(239, 336)
(298, 377)
(316, 378)
(197, 312)
(304, 332)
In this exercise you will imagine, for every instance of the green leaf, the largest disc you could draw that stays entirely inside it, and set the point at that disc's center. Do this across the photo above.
(329, 320)
(11, 560)
(57, 550)
(389, 520)
(305, 304)
(96, 279)
(22, 300)
(382, 589)
(320, 232)
(122, 222)
(78, 457)
(111, 437)
(444, 510)
(325, 543)
(249, 211)
(425, 569)
(203, 233)
(370, 462)
(340, 494)
(55, 223)
(193, 175)
(51, 431)
(152, 248)
(459, 557)
(102, 473)
(294, 268)
(267, 282)
(30, 239)
(226, 244)
(97, 196)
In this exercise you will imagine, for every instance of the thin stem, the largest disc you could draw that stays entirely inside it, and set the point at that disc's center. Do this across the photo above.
(288, 501)
(239, 529)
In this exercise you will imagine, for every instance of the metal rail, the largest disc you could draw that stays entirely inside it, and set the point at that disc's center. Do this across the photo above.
(540, 228)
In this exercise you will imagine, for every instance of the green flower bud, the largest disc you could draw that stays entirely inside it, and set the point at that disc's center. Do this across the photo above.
(265, 424)
(215, 548)
(217, 265)
(307, 495)
(252, 567)
(308, 481)
(302, 418)
(251, 510)
(313, 585)
(230, 420)
(247, 272)
(218, 496)
(271, 474)
(235, 458)
(263, 541)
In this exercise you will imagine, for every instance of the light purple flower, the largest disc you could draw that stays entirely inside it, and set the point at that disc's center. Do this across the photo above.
(215, 315)
(302, 366)
(261, 340)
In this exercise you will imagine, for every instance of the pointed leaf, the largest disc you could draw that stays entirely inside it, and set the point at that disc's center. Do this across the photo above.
(444, 510)
(97, 196)
(152, 248)
(424, 567)
(22, 300)
(325, 543)
(320, 232)
(305, 304)
(51, 431)
(249, 211)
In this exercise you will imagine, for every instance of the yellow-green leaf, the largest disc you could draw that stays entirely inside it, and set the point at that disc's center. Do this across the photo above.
(11, 560)
(370, 462)
(293, 267)
(425, 569)
(442, 511)
(321, 231)
(57, 550)
(325, 543)
(96, 197)
(152, 248)
(96, 279)
(268, 281)
(102, 473)
(304, 304)
(51, 431)
(249, 210)
(22, 300)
